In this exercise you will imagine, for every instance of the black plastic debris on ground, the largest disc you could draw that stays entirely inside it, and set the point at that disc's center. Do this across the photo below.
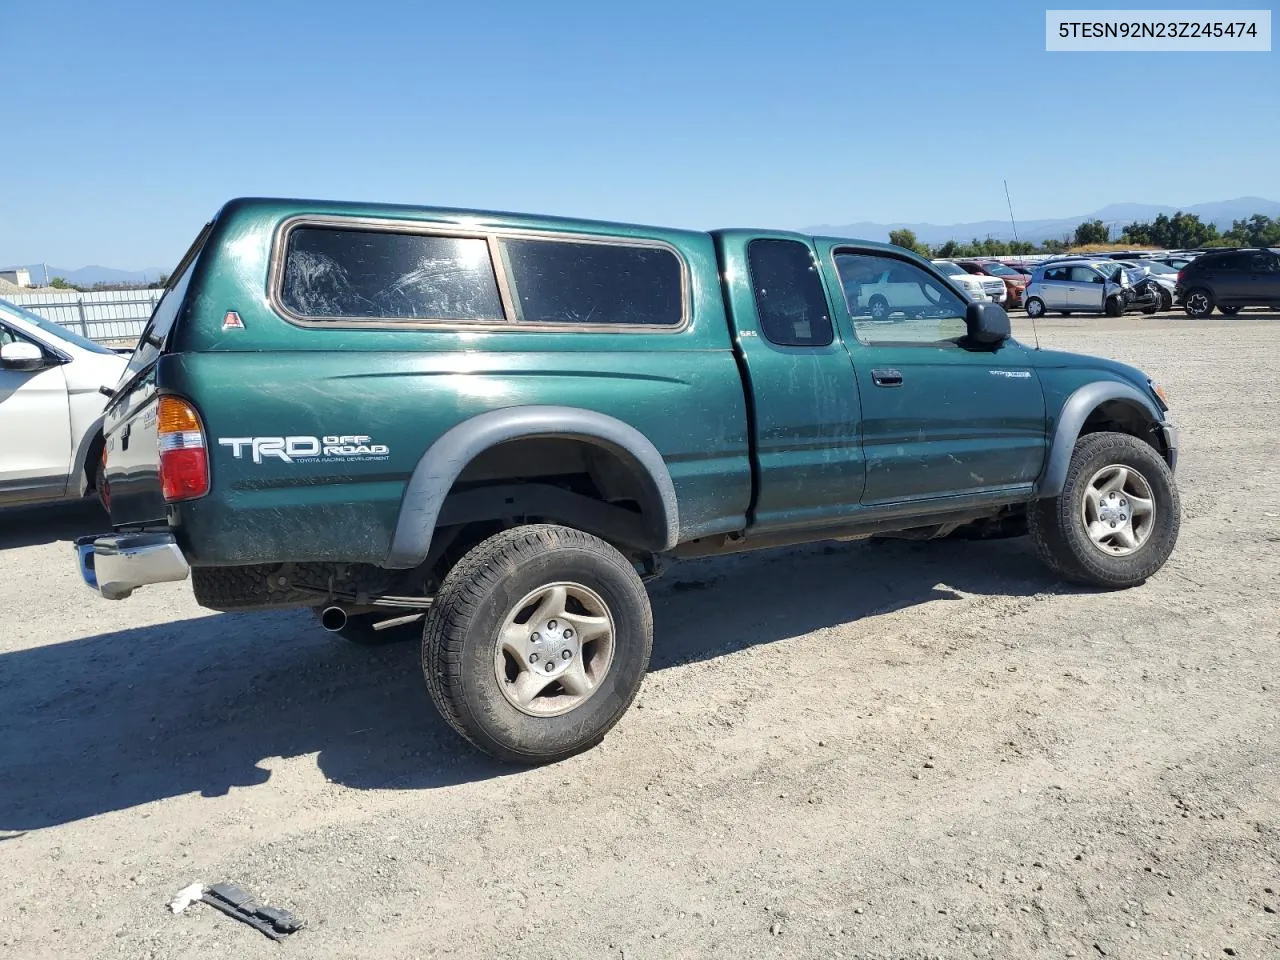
(242, 905)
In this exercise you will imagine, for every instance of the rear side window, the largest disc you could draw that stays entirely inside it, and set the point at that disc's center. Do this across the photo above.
(790, 302)
(381, 275)
(1057, 273)
(1231, 261)
(582, 282)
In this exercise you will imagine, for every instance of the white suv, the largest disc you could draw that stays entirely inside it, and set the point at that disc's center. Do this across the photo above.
(51, 401)
(976, 285)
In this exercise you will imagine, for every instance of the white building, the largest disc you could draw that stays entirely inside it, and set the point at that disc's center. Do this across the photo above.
(18, 275)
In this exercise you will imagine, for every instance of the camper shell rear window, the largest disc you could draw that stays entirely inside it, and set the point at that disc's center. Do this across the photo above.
(329, 273)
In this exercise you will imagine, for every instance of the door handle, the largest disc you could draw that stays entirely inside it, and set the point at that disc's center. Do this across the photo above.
(887, 378)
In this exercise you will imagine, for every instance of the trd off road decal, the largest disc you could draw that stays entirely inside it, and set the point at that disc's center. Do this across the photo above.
(343, 448)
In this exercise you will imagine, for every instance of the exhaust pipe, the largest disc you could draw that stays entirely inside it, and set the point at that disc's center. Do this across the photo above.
(333, 619)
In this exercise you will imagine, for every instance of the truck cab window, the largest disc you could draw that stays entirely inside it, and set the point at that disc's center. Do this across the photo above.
(790, 302)
(893, 301)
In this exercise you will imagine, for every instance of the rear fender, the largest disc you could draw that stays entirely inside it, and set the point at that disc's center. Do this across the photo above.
(444, 461)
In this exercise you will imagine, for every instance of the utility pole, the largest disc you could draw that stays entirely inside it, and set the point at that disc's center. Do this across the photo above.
(1011, 220)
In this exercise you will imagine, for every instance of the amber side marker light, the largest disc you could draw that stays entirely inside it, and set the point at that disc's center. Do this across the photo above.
(184, 460)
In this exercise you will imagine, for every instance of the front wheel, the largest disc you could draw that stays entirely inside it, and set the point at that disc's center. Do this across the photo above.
(1117, 519)
(1035, 308)
(1114, 307)
(537, 643)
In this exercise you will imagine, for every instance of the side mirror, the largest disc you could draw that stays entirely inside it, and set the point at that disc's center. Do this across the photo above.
(21, 355)
(987, 323)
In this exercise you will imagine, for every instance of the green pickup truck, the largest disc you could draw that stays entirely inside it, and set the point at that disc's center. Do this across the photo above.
(489, 430)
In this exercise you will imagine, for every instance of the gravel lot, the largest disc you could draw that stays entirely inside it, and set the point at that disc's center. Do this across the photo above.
(873, 751)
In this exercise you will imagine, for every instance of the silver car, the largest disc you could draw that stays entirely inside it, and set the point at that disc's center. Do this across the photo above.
(1082, 286)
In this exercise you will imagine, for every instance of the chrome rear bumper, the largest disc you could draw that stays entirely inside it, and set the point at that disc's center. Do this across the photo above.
(115, 565)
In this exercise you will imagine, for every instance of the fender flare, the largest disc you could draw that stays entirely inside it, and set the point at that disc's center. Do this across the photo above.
(78, 480)
(1082, 402)
(444, 461)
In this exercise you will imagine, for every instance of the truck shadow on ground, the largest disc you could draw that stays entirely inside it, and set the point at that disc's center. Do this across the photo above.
(121, 719)
(31, 526)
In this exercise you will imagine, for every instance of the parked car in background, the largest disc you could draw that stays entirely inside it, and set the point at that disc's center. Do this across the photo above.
(1014, 282)
(51, 402)
(978, 287)
(1175, 260)
(1230, 280)
(1089, 286)
(1161, 273)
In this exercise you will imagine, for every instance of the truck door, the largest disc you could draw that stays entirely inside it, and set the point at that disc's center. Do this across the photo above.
(806, 416)
(939, 420)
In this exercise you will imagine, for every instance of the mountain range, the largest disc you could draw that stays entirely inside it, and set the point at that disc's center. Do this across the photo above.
(1116, 216)
(88, 276)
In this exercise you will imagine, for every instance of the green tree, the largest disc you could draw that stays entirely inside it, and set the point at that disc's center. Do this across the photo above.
(60, 283)
(1055, 246)
(1179, 231)
(1092, 231)
(947, 250)
(907, 239)
(1257, 231)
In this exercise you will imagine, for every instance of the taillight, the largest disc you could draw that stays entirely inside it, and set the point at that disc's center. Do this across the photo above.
(1180, 273)
(184, 461)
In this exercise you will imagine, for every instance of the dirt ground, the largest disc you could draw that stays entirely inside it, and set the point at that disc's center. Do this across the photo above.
(853, 750)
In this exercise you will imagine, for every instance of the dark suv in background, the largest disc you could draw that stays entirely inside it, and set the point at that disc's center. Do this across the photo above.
(1229, 280)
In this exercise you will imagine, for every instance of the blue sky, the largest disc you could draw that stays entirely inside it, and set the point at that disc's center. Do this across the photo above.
(129, 123)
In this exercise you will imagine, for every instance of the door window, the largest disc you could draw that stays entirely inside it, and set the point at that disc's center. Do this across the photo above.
(790, 303)
(893, 301)
(1263, 263)
(1231, 263)
(1057, 274)
(1085, 275)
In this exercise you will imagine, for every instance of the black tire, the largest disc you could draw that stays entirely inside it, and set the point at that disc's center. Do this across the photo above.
(1166, 300)
(1114, 307)
(1035, 308)
(1064, 313)
(1057, 525)
(460, 642)
(1229, 311)
(1198, 303)
(359, 629)
(879, 307)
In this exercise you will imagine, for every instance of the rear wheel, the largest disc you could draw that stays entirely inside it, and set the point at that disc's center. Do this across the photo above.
(1229, 311)
(537, 642)
(1117, 519)
(879, 307)
(1064, 313)
(1198, 303)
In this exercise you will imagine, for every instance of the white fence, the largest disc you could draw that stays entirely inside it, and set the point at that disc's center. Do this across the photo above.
(114, 317)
